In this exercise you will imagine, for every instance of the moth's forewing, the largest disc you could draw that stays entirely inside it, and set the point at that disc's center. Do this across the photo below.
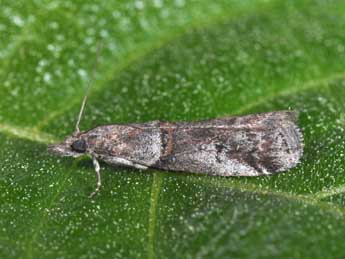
(234, 146)
(139, 144)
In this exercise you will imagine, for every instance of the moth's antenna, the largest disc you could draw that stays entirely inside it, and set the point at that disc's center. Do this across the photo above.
(99, 47)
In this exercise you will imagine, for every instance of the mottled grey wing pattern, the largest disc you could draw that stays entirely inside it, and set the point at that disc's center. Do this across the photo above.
(136, 145)
(251, 145)
(233, 146)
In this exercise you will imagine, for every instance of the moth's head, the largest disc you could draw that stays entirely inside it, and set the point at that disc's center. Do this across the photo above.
(73, 146)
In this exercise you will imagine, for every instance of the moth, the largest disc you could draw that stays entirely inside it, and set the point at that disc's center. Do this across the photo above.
(251, 145)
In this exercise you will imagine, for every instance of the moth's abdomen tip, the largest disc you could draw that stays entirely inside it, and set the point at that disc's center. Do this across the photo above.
(289, 152)
(293, 115)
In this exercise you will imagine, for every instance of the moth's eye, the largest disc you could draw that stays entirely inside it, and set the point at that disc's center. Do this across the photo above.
(79, 146)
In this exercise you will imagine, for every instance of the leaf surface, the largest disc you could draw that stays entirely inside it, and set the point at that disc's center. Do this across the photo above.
(169, 61)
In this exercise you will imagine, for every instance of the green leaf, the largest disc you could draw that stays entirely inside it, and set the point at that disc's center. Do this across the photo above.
(176, 60)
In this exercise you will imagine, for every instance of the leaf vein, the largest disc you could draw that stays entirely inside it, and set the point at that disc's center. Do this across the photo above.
(311, 84)
(329, 192)
(28, 133)
(155, 191)
(42, 219)
(304, 199)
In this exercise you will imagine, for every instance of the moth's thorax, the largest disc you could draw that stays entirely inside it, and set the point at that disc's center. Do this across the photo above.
(139, 144)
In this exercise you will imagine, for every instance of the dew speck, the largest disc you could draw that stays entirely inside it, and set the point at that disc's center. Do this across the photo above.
(51, 47)
(158, 3)
(104, 33)
(89, 40)
(71, 63)
(47, 77)
(139, 5)
(14, 92)
(17, 20)
(53, 25)
(340, 48)
(180, 3)
(82, 73)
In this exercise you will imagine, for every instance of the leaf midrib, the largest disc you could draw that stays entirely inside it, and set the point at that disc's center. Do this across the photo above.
(27, 133)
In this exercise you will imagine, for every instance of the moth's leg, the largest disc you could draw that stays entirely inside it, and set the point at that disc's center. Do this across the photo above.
(138, 166)
(98, 176)
(122, 161)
